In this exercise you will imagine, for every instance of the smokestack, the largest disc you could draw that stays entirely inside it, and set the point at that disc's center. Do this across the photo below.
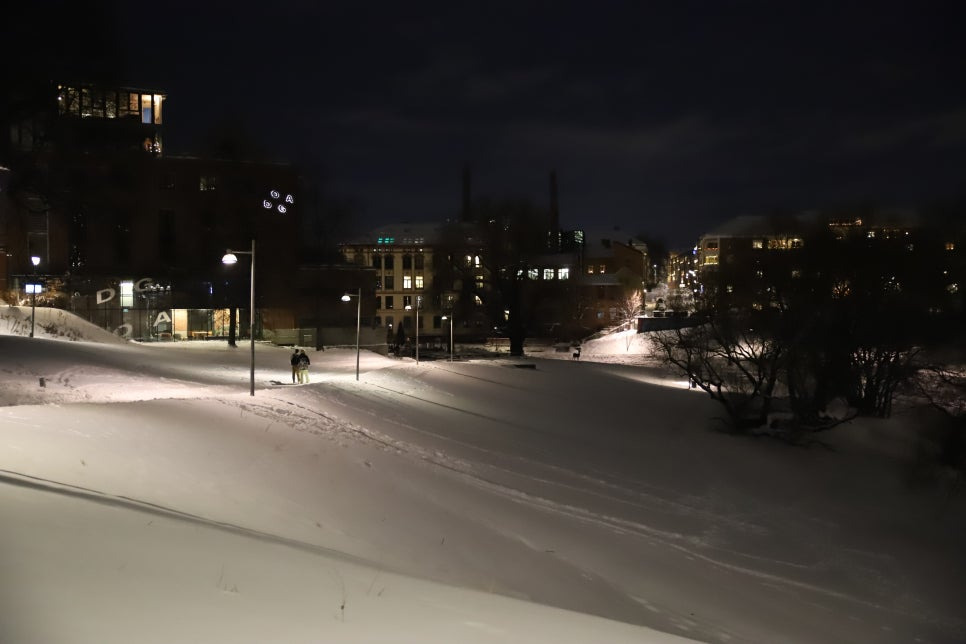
(466, 193)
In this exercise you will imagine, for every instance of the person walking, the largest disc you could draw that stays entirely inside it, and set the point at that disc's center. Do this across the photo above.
(295, 366)
(303, 368)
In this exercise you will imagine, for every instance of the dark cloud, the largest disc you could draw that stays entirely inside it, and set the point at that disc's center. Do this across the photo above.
(663, 117)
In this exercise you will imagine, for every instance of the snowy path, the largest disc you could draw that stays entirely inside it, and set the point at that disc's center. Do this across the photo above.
(581, 486)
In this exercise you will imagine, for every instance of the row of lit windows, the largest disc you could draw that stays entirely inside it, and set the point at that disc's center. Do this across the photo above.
(388, 302)
(547, 273)
(406, 241)
(95, 103)
(388, 282)
(601, 268)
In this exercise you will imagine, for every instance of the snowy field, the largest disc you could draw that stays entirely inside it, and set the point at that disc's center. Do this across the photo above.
(146, 497)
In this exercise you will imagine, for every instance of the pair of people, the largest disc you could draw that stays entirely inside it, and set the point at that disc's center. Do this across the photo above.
(300, 367)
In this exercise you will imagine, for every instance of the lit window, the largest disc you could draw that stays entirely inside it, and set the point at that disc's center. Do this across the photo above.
(476, 261)
(784, 243)
(563, 273)
(710, 260)
(407, 281)
(757, 243)
(950, 246)
(548, 273)
(796, 273)
(477, 301)
(533, 274)
(590, 269)
(419, 281)
(127, 294)
(207, 183)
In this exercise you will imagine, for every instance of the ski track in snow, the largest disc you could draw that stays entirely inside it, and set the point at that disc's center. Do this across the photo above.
(633, 506)
(685, 544)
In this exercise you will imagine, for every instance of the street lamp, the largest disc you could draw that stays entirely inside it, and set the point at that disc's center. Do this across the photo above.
(32, 289)
(346, 298)
(230, 258)
(450, 318)
(408, 308)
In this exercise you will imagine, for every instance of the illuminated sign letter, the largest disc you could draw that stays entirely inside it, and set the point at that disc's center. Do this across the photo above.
(162, 317)
(143, 284)
(105, 295)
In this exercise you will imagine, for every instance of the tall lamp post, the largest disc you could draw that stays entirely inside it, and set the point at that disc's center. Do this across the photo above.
(451, 320)
(230, 258)
(345, 298)
(33, 288)
(418, 298)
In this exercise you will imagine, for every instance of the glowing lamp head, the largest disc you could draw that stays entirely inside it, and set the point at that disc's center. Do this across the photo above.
(346, 298)
(229, 258)
(35, 260)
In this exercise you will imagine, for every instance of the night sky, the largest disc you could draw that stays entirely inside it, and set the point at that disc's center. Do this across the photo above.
(658, 117)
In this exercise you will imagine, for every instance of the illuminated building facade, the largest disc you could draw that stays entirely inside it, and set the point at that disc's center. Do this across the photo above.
(131, 237)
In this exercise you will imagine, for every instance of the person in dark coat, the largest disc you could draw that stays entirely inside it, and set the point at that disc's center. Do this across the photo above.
(295, 366)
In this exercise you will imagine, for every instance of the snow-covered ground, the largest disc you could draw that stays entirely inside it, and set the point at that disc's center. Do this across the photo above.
(146, 497)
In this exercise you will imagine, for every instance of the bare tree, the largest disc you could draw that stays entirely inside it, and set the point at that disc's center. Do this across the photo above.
(629, 308)
(729, 360)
